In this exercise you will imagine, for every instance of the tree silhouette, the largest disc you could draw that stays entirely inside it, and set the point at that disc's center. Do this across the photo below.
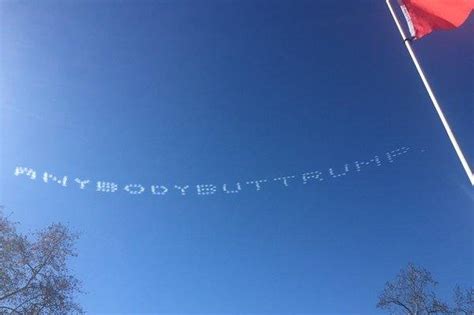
(412, 293)
(463, 301)
(34, 277)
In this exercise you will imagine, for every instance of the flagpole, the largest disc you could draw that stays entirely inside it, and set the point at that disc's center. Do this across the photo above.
(436, 105)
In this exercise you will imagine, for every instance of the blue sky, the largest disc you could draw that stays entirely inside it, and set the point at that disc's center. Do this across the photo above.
(212, 92)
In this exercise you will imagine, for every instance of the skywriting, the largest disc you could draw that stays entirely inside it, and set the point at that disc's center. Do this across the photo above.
(203, 189)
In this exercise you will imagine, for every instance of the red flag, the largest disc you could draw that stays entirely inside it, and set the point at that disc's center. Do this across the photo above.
(425, 16)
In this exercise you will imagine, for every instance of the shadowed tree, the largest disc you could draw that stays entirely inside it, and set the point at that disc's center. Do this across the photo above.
(34, 277)
(463, 301)
(412, 293)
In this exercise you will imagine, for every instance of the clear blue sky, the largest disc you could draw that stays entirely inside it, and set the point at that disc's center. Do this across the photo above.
(213, 92)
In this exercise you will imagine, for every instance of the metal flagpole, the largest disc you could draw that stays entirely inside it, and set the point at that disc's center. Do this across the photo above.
(432, 96)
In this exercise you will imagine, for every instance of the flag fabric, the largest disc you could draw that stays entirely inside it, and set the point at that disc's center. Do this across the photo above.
(425, 16)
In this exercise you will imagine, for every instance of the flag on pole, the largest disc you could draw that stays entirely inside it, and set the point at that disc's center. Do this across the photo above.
(425, 16)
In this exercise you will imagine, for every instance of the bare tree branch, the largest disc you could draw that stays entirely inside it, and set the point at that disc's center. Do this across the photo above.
(33, 273)
(412, 292)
